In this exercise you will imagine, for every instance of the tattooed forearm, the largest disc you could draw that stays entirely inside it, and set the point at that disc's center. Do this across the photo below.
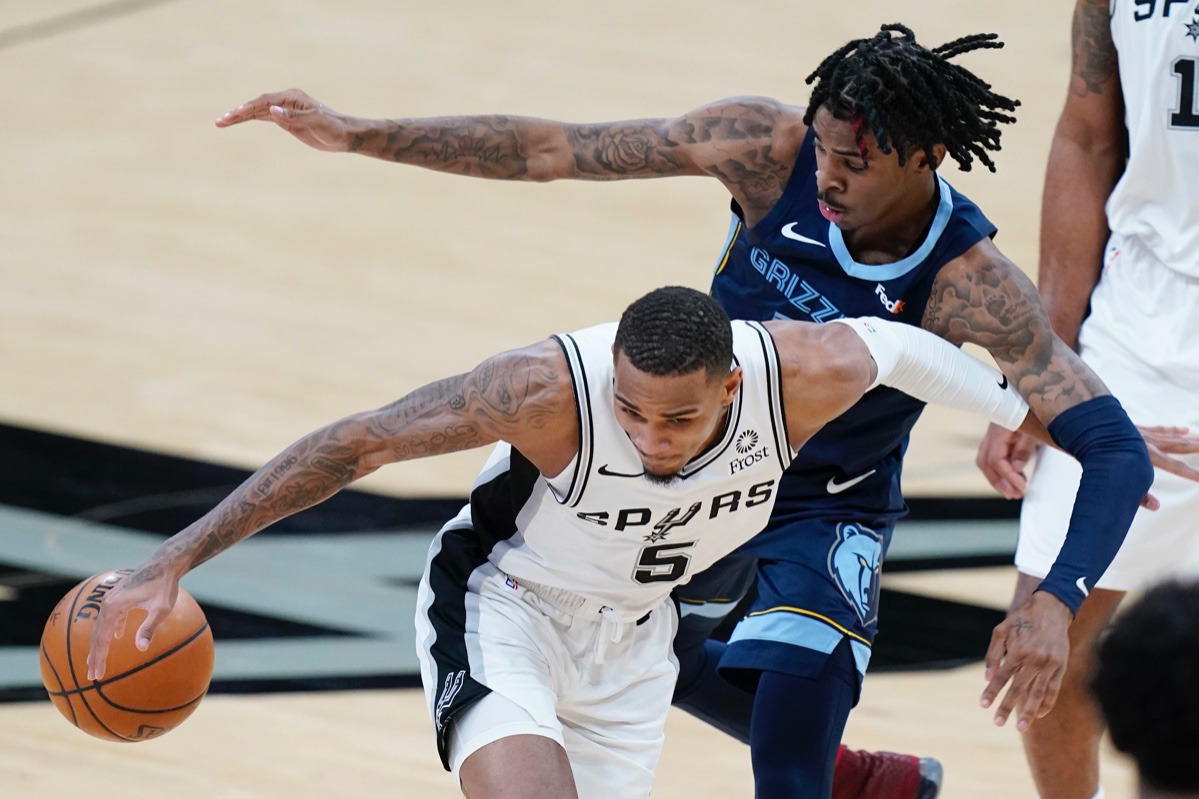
(732, 141)
(264, 486)
(989, 302)
(483, 146)
(1094, 56)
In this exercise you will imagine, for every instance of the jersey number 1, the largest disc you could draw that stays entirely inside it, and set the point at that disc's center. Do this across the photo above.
(1184, 114)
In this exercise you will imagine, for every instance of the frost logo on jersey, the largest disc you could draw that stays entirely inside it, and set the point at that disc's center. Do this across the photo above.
(893, 307)
(854, 562)
(749, 455)
(747, 441)
(803, 297)
(449, 690)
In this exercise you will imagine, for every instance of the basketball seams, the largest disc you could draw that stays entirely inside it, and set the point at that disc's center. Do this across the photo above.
(184, 706)
(54, 671)
(71, 665)
(96, 685)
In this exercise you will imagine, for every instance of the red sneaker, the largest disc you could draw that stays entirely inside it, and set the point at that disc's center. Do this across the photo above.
(885, 775)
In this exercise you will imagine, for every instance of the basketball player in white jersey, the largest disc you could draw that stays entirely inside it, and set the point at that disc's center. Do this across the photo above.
(634, 456)
(1123, 237)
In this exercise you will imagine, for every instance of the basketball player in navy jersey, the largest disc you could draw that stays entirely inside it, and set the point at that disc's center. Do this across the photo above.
(837, 210)
(631, 455)
(1120, 250)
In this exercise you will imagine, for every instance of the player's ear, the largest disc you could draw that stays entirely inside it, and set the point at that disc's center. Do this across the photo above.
(931, 159)
(732, 385)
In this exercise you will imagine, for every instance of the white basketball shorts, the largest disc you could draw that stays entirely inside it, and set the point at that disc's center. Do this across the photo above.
(598, 685)
(1142, 339)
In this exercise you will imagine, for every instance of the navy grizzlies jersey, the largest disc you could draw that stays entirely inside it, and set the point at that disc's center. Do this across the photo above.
(794, 265)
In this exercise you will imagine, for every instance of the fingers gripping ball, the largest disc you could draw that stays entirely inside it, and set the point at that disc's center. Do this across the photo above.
(142, 694)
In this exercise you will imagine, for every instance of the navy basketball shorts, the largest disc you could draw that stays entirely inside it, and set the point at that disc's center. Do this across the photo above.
(817, 583)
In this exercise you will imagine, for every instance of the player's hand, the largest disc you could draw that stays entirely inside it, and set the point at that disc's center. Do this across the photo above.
(1002, 458)
(1164, 441)
(1029, 648)
(151, 589)
(299, 115)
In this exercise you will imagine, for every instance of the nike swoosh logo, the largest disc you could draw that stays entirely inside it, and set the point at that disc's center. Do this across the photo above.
(789, 232)
(836, 488)
(1003, 382)
(608, 473)
(1082, 586)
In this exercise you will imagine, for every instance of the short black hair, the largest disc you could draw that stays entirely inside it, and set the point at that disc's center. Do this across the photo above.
(1146, 681)
(912, 98)
(676, 331)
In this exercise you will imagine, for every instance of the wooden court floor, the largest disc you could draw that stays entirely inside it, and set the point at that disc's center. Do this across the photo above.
(216, 294)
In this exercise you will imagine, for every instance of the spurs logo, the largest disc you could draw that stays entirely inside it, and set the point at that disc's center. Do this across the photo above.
(449, 690)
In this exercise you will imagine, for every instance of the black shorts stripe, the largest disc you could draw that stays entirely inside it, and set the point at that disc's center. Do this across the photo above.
(462, 547)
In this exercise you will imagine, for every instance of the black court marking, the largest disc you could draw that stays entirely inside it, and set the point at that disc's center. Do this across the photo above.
(73, 21)
(98, 684)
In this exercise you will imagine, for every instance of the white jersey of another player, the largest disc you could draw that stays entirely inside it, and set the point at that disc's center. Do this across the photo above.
(1155, 200)
(601, 529)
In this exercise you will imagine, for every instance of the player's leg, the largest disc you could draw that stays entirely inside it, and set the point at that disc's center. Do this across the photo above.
(523, 761)
(797, 727)
(818, 587)
(704, 603)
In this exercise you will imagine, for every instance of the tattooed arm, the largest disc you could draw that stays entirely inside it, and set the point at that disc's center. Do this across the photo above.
(524, 397)
(981, 297)
(748, 143)
(1085, 162)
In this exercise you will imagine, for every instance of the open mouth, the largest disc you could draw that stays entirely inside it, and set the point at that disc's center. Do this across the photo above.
(832, 213)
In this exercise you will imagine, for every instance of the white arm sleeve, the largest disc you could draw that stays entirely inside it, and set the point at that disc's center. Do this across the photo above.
(931, 369)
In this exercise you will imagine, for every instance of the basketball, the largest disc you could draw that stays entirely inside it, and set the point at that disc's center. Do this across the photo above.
(142, 694)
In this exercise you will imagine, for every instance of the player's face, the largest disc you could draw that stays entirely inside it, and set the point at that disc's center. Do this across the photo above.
(860, 186)
(670, 420)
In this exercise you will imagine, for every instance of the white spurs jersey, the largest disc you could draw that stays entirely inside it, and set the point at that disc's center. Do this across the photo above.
(600, 528)
(1157, 199)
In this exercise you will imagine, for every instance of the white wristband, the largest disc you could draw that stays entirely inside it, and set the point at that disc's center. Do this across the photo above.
(931, 369)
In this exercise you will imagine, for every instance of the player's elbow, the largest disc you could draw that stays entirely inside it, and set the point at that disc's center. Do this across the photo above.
(548, 157)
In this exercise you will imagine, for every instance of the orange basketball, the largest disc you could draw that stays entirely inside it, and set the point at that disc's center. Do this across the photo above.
(142, 694)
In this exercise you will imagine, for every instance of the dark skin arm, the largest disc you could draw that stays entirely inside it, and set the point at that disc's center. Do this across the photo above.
(523, 397)
(984, 299)
(747, 143)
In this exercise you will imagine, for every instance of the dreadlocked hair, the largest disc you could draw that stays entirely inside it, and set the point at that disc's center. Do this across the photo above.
(912, 98)
(676, 331)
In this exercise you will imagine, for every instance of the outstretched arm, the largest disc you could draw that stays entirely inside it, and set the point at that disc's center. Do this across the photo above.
(748, 143)
(983, 298)
(523, 397)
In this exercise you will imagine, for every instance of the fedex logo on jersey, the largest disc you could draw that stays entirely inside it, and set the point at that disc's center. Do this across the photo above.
(799, 293)
(662, 524)
(893, 307)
